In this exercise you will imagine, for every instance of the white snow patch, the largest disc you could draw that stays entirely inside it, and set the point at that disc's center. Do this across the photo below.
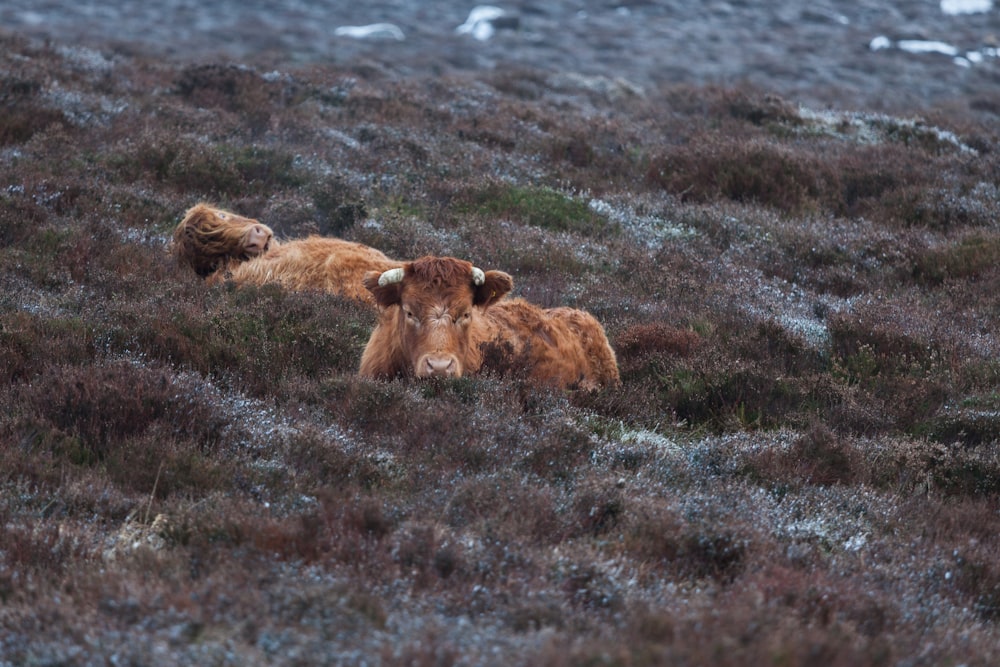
(480, 22)
(953, 7)
(926, 46)
(879, 43)
(372, 31)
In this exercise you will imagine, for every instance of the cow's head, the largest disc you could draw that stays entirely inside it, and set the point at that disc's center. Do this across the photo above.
(208, 237)
(439, 302)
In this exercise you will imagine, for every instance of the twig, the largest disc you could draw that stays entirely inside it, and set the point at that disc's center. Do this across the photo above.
(152, 494)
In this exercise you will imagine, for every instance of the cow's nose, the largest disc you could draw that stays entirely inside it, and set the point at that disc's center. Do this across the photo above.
(258, 240)
(441, 366)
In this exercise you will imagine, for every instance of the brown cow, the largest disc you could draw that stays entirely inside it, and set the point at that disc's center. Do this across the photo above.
(220, 246)
(439, 313)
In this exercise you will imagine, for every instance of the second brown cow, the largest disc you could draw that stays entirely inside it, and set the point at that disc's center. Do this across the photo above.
(439, 313)
(223, 246)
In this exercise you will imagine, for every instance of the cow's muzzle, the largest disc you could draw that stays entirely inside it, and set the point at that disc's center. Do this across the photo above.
(258, 241)
(438, 365)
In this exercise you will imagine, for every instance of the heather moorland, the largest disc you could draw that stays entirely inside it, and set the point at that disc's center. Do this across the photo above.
(801, 466)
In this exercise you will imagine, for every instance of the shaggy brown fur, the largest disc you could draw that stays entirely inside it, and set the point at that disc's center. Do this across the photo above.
(223, 246)
(210, 238)
(436, 322)
(316, 262)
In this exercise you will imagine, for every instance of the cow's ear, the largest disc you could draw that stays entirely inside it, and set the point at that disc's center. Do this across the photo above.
(385, 295)
(494, 288)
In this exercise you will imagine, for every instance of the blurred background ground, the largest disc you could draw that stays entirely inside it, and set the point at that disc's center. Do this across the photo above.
(819, 52)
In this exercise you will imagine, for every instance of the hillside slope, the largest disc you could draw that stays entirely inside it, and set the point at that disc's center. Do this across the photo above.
(801, 466)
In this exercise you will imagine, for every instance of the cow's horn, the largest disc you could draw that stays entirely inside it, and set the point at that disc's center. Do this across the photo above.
(478, 277)
(390, 277)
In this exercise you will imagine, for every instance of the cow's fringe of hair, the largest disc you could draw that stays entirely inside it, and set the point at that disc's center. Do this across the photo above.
(441, 270)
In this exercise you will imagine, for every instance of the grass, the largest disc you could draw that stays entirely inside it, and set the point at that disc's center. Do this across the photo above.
(800, 465)
(535, 206)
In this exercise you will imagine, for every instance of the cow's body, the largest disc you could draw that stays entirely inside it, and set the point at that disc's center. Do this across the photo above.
(438, 317)
(222, 246)
(314, 263)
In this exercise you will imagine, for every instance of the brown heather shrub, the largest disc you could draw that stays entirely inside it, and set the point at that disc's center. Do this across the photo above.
(20, 217)
(970, 259)
(23, 114)
(818, 456)
(102, 407)
(671, 545)
(870, 176)
(598, 506)
(752, 172)
(232, 87)
(217, 172)
(477, 131)
(870, 349)
(39, 548)
(558, 453)
(739, 375)
(319, 463)
(638, 343)
(759, 108)
(258, 337)
(965, 529)
(509, 507)
(30, 343)
(970, 427)
(339, 206)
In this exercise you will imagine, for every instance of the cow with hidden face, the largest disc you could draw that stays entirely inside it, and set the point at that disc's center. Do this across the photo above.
(209, 239)
(223, 246)
(439, 313)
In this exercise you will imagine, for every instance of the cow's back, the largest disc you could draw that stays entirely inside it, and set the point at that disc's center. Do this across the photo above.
(328, 264)
(564, 346)
(600, 356)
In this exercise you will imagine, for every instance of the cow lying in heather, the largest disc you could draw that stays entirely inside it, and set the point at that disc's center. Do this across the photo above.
(220, 245)
(439, 313)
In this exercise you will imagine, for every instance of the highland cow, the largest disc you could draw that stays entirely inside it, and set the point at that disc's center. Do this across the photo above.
(222, 246)
(439, 314)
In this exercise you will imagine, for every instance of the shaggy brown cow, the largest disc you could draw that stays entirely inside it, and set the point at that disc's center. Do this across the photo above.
(224, 246)
(439, 312)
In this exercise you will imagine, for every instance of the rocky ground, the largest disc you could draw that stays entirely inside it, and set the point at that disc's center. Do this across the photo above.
(818, 52)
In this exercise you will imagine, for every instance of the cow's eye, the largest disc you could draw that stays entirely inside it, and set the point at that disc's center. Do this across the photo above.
(463, 318)
(410, 317)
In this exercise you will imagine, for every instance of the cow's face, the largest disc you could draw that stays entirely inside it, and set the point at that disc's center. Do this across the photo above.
(440, 303)
(207, 237)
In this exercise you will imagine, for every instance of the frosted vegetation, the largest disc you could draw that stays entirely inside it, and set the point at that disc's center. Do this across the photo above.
(801, 466)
